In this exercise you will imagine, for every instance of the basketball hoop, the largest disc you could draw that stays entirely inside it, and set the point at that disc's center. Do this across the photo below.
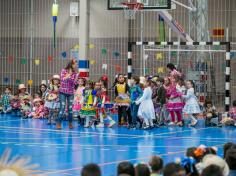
(131, 8)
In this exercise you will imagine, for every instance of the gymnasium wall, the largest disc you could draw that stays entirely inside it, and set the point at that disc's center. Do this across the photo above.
(28, 23)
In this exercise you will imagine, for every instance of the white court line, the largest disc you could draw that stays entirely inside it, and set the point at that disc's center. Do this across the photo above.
(66, 137)
(121, 150)
(104, 149)
(116, 162)
(13, 120)
(112, 134)
(78, 145)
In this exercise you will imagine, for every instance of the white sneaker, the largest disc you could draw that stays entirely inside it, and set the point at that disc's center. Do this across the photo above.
(112, 123)
(100, 125)
(171, 123)
(86, 126)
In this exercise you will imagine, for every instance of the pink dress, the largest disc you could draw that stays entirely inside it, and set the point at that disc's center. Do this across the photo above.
(175, 103)
(77, 99)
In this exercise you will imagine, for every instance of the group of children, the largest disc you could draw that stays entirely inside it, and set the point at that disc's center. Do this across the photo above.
(144, 102)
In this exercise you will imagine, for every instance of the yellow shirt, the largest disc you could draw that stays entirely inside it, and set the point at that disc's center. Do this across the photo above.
(121, 88)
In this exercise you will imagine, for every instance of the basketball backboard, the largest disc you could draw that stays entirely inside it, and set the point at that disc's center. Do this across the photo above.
(148, 4)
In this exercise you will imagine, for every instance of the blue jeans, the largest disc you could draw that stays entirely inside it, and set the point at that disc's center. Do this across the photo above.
(134, 112)
(63, 99)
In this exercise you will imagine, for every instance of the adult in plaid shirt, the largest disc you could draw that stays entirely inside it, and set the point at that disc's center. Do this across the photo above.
(66, 91)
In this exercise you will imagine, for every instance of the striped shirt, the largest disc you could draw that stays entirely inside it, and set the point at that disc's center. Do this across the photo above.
(67, 85)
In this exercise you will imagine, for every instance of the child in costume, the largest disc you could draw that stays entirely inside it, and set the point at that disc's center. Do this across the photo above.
(209, 112)
(146, 109)
(175, 103)
(122, 100)
(191, 107)
(231, 120)
(135, 93)
(88, 111)
(78, 96)
(15, 105)
(161, 101)
(52, 99)
(173, 72)
(25, 106)
(104, 106)
(38, 109)
(22, 92)
(6, 98)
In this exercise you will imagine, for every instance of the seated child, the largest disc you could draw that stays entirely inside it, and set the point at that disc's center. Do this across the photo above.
(25, 107)
(15, 105)
(38, 109)
(231, 120)
(209, 112)
(6, 98)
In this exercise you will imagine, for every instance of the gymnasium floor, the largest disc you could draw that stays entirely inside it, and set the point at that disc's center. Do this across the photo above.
(65, 152)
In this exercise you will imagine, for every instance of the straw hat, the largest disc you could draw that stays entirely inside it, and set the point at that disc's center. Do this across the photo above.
(56, 77)
(216, 160)
(37, 100)
(21, 86)
(142, 80)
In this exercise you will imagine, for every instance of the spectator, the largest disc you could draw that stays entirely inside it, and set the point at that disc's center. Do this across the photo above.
(173, 169)
(156, 164)
(230, 158)
(227, 146)
(214, 159)
(125, 168)
(212, 170)
(142, 170)
(91, 170)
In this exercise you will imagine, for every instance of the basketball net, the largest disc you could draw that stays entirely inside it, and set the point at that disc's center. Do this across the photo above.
(131, 9)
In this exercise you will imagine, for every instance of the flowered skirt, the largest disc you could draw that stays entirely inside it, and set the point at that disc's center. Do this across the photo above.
(108, 108)
(122, 102)
(192, 108)
(87, 110)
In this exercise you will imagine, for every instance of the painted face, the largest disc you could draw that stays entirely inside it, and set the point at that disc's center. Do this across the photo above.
(81, 82)
(121, 79)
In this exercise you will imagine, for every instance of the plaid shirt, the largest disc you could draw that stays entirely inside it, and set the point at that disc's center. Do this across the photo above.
(67, 86)
(232, 113)
(6, 99)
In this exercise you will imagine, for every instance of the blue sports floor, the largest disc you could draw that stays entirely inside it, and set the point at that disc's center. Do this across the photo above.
(64, 152)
